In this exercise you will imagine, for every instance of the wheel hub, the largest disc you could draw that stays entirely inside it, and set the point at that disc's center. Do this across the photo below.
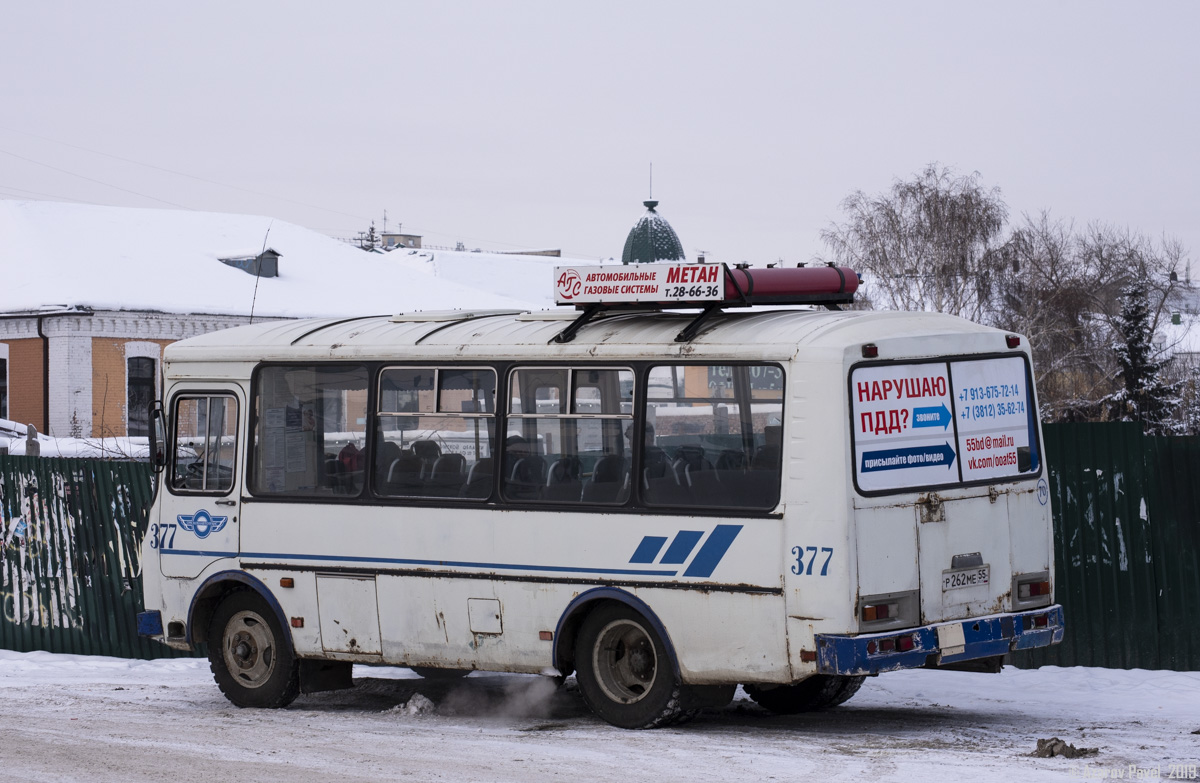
(641, 663)
(249, 649)
(625, 661)
(243, 650)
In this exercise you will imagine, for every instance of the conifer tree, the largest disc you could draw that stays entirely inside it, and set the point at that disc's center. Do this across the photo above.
(1143, 395)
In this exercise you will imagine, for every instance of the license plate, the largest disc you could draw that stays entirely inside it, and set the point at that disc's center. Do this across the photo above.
(966, 577)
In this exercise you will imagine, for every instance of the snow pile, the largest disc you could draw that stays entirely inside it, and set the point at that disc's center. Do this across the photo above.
(419, 705)
(112, 258)
(13, 437)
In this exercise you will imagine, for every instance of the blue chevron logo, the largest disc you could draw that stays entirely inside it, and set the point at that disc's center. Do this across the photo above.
(706, 560)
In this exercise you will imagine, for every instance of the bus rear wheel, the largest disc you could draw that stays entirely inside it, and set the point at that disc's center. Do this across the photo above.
(815, 693)
(624, 671)
(250, 655)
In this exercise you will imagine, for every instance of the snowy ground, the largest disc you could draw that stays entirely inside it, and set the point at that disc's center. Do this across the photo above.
(69, 718)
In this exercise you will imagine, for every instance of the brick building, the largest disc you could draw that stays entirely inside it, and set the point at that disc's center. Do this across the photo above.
(83, 324)
(80, 372)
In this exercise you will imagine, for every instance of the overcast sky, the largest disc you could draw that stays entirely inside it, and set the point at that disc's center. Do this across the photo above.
(523, 124)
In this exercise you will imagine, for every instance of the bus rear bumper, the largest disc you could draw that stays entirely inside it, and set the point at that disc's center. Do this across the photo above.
(939, 644)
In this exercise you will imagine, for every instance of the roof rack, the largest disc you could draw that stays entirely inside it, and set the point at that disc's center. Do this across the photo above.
(711, 287)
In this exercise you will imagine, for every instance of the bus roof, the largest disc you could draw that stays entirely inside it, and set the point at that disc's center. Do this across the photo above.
(756, 335)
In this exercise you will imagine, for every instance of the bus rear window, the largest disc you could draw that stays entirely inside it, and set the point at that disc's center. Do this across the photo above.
(942, 423)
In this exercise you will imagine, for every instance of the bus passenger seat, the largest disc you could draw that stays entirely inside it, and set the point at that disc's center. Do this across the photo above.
(695, 475)
(448, 475)
(528, 476)
(389, 452)
(689, 455)
(404, 477)
(655, 466)
(479, 480)
(608, 479)
(562, 481)
(334, 479)
(731, 459)
(428, 451)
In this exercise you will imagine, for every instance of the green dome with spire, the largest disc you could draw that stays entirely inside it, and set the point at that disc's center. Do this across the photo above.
(652, 239)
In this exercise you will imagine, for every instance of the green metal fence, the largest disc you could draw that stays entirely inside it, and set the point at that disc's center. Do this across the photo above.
(1127, 547)
(70, 556)
(1126, 526)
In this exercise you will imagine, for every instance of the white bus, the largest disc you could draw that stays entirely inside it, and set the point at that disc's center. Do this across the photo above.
(665, 505)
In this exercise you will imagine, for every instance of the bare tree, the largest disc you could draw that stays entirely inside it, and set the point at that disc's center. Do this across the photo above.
(936, 242)
(1064, 290)
(1047, 294)
(927, 244)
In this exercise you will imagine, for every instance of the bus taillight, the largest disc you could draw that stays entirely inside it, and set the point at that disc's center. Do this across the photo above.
(895, 644)
(875, 612)
(1028, 590)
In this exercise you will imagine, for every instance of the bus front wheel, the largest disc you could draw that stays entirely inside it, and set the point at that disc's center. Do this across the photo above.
(250, 655)
(625, 672)
(815, 693)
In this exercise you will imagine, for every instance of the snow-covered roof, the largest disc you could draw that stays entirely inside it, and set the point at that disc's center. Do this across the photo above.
(114, 258)
(526, 279)
(1182, 338)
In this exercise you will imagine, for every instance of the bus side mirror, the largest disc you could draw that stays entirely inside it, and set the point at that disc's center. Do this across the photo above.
(158, 436)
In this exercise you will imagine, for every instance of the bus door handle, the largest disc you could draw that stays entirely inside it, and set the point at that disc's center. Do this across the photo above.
(226, 502)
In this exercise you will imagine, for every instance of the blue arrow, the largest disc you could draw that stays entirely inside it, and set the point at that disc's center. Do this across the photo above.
(932, 417)
(897, 459)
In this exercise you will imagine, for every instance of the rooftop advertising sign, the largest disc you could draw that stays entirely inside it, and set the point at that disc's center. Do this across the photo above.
(638, 283)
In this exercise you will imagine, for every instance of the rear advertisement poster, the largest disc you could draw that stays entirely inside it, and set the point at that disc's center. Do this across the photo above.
(938, 423)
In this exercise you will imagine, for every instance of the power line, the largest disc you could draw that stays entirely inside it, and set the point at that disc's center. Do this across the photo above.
(17, 192)
(182, 173)
(92, 179)
(456, 236)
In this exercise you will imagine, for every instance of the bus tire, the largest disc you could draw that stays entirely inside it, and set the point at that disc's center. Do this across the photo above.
(815, 693)
(850, 686)
(434, 673)
(624, 671)
(250, 655)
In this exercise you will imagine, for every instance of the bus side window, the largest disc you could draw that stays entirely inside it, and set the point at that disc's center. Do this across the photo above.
(435, 428)
(566, 440)
(310, 430)
(713, 436)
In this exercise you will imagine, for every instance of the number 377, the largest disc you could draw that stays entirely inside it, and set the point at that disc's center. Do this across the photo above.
(811, 553)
